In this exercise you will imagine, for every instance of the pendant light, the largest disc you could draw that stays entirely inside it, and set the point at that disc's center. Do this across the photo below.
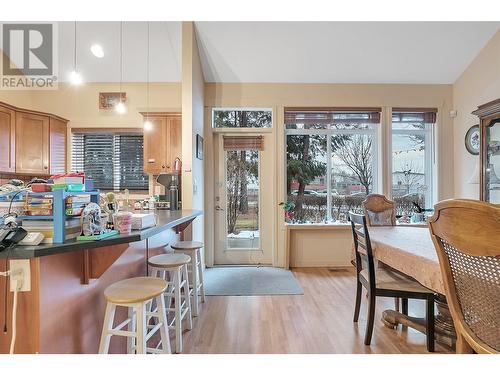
(148, 125)
(74, 77)
(120, 106)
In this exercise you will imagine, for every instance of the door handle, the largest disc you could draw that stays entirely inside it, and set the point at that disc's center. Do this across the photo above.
(218, 208)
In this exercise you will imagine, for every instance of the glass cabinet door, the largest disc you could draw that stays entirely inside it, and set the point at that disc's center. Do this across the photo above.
(492, 162)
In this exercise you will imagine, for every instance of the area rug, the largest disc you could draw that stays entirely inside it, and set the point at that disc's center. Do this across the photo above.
(250, 281)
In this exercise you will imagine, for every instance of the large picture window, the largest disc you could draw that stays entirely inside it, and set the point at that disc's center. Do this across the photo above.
(331, 162)
(412, 159)
(113, 160)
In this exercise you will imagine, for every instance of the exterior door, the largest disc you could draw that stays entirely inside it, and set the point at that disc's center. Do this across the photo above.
(243, 206)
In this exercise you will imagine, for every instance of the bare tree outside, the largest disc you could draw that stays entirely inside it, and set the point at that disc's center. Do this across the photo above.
(356, 154)
(411, 174)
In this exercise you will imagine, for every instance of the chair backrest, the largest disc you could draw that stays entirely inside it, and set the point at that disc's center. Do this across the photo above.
(466, 234)
(362, 247)
(379, 210)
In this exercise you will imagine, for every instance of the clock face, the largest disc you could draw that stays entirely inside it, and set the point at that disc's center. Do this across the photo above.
(472, 140)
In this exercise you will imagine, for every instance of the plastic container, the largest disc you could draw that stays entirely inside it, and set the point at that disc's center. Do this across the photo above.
(123, 222)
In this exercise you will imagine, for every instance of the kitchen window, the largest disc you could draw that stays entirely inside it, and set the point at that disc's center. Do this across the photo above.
(331, 161)
(113, 160)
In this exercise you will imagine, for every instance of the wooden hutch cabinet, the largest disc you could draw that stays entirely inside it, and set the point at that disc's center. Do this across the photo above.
(32, 143)
(163, 142)
(489, 132)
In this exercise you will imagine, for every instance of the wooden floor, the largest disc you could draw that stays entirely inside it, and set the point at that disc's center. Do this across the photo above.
(320, 321)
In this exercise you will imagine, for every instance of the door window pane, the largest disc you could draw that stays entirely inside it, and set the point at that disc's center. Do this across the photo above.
(242, 195)
(241, 118)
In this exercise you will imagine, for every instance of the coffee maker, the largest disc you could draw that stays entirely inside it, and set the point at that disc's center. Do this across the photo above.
(173, 189)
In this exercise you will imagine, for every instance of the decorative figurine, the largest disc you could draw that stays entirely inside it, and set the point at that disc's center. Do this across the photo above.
(91, 220)
(110, 207)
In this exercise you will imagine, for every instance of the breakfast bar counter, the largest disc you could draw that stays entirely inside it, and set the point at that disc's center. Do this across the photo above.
(64, 309)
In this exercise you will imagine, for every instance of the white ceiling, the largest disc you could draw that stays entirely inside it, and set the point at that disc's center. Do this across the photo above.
(165, 46)
(340, 52)
(311, 52)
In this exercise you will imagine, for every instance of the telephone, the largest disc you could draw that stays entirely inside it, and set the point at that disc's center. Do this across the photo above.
(11, 236)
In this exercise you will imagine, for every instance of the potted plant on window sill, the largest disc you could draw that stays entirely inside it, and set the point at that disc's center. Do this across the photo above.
(288, 208)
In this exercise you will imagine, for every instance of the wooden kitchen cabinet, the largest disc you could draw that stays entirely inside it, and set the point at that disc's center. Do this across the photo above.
(57, 145)
(162, 143)
(7, 140)
(31, 142)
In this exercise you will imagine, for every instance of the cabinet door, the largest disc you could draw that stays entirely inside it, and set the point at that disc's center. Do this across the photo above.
(32, 144)
(57, 145)
(7, 140)
(174, 141)
(155, 143)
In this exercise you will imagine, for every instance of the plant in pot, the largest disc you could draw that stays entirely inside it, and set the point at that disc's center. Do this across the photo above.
(288, 208)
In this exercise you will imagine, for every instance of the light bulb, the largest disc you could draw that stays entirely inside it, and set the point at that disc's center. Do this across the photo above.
(148, 125)
(120, 107)
(75, 78)
(97, 50)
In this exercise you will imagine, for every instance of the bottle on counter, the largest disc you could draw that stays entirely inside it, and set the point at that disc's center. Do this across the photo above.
(151, 203)
(173, 193)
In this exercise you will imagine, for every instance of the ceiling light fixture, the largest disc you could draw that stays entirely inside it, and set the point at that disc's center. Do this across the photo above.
(120, 107)
(75, 77)
(97, 50)
(148, 125)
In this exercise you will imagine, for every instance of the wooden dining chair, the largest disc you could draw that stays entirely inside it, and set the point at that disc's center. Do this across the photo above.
(383, 282)
(466, 234)
(379, 210)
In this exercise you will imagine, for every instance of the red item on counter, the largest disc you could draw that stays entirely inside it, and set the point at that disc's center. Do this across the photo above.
(40, 187)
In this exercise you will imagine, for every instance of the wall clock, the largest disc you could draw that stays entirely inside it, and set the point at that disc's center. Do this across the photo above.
(472, 140)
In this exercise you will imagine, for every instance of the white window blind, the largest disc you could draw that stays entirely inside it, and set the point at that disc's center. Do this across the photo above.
(114, 161)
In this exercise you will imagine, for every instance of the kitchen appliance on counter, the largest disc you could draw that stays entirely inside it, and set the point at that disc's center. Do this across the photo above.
(173, 187)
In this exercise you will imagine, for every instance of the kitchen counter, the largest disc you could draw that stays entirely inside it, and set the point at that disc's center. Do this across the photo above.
(63, 311)
(165, 219)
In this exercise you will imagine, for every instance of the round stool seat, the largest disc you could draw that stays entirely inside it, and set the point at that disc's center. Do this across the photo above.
(137, 289)
(169, 260)
(187, 245)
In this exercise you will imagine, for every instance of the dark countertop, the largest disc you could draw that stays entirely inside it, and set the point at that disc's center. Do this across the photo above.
(165, 219)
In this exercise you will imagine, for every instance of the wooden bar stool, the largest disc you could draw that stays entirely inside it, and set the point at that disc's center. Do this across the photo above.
(173, 269)
(134, 294)
(192, 248)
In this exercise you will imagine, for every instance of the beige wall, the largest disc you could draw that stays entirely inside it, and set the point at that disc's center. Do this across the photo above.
(332, 248)
(478, 84)
(80, 104)
(192, 124)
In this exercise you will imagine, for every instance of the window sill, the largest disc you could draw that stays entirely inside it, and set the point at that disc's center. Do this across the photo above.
(319, 226)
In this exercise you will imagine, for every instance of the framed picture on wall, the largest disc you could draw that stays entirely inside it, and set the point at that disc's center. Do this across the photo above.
(108, 100)
(199, 147)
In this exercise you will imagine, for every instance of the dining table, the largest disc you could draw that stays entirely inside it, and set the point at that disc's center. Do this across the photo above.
(410, 251)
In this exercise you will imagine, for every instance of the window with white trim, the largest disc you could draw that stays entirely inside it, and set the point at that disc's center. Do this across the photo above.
(331, 162)
(412, 159)
(113, 160)
(242, 117)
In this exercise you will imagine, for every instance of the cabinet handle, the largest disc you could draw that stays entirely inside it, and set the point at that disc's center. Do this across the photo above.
(163, 166)
(168, 166)
(45, 167)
